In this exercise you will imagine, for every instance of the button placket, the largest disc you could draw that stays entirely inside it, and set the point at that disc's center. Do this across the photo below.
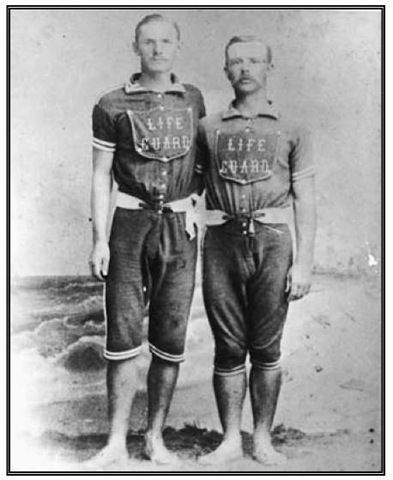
(249, 125)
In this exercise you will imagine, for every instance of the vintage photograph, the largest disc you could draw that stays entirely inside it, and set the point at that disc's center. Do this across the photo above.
(196, 260)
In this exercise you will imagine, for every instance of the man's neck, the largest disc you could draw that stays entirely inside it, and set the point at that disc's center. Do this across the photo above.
(159, 81)
(249, 105)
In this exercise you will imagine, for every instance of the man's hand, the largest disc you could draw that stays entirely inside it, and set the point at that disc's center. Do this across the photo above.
(298, 282)
(99, 260)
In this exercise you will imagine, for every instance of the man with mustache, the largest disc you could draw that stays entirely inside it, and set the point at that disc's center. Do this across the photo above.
(144, 136)
(257, 167)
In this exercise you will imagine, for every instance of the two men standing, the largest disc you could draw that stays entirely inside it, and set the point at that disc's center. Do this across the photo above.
(254, 166)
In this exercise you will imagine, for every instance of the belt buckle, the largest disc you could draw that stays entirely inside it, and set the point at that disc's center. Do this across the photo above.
(251, 226)
(158, 203)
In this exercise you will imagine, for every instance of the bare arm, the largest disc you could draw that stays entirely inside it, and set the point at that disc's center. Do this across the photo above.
(305, 228)
(100, 200)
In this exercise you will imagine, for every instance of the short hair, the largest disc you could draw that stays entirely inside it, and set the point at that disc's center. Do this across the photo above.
(155, 17)
(248, 39)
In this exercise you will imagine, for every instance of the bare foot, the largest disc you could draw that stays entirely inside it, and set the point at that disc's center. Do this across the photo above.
(157, 451)
(265, 453)
(228, 450)
(110, 457)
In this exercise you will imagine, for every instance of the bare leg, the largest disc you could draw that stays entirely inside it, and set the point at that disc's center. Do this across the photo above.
(264, 388)
(161, 383)
(230, 392)
(121, 385)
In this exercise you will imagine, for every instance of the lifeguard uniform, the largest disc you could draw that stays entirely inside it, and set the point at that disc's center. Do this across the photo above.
(152, 256)
(249, 167)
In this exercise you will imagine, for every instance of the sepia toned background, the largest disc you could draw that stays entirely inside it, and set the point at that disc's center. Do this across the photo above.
(326, 76)
(327, 67)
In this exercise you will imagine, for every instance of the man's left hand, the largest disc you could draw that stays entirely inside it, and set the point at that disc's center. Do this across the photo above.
(298, 282)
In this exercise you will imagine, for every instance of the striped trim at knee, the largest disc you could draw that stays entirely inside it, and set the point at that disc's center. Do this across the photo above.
(166, 356)
(267, 366)
(125, 355)
(226, 372)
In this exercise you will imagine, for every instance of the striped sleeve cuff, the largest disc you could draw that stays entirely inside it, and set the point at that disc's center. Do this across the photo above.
(103, 145)
(305, 173)
(199, 168)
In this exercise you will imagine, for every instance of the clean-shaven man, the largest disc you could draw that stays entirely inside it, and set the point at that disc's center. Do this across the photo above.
(144, 138)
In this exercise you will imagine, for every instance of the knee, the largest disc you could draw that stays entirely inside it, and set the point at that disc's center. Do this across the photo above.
(230, 360)
(266, 358)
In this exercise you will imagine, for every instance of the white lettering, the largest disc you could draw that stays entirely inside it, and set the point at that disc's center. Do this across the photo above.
(265, 166)
(261, 145)
(169, 122)
(250, 142)
(233, 166)
(176, 142)
(254, 166)
(244, 167)
(150, 125)
(167, 143)
(186, 142)
(155, 141)
(145, 144)
(230, 145)
(179, 123)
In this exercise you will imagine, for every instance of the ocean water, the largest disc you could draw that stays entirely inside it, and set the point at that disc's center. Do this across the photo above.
(58, 337)
(59, 318)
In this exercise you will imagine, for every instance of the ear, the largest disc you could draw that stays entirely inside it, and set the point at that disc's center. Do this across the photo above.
(179, 47)
(136, 48)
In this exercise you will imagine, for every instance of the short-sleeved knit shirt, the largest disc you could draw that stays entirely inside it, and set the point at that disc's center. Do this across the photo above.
(251, 163)
(152, 136)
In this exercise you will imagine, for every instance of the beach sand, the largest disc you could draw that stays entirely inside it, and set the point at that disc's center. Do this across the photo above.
(329, 413)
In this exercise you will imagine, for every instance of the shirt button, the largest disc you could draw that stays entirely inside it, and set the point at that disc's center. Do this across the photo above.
(165, 173)
(243, 196)
(159, 95)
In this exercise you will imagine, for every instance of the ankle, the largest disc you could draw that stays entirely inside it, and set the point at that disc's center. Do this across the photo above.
(262, 435)
(117, 441)
(153, 436)
(232, 437)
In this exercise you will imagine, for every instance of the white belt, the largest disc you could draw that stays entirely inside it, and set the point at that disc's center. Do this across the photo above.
(265, 215)
(185, 205)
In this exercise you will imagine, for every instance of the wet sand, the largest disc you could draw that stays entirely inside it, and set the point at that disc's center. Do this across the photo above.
(328, 417)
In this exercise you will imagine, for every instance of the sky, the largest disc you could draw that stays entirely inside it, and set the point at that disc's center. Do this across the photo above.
(326, 76)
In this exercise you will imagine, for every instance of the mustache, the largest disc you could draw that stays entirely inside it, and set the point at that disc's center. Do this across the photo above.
(244, 77)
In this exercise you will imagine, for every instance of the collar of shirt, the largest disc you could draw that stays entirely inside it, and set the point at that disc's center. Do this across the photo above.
(133, 85)
(265, 110)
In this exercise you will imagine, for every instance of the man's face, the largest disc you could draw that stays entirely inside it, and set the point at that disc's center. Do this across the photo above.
(247, 66)
(157, 45)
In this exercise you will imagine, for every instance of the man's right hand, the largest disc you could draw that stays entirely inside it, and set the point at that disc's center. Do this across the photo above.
(99, 260)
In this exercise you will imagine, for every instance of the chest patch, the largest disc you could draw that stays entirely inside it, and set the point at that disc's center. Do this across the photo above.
(162, 134)
(246, 157)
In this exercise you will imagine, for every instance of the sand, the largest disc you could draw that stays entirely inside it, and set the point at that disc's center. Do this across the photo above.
(328, 418)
